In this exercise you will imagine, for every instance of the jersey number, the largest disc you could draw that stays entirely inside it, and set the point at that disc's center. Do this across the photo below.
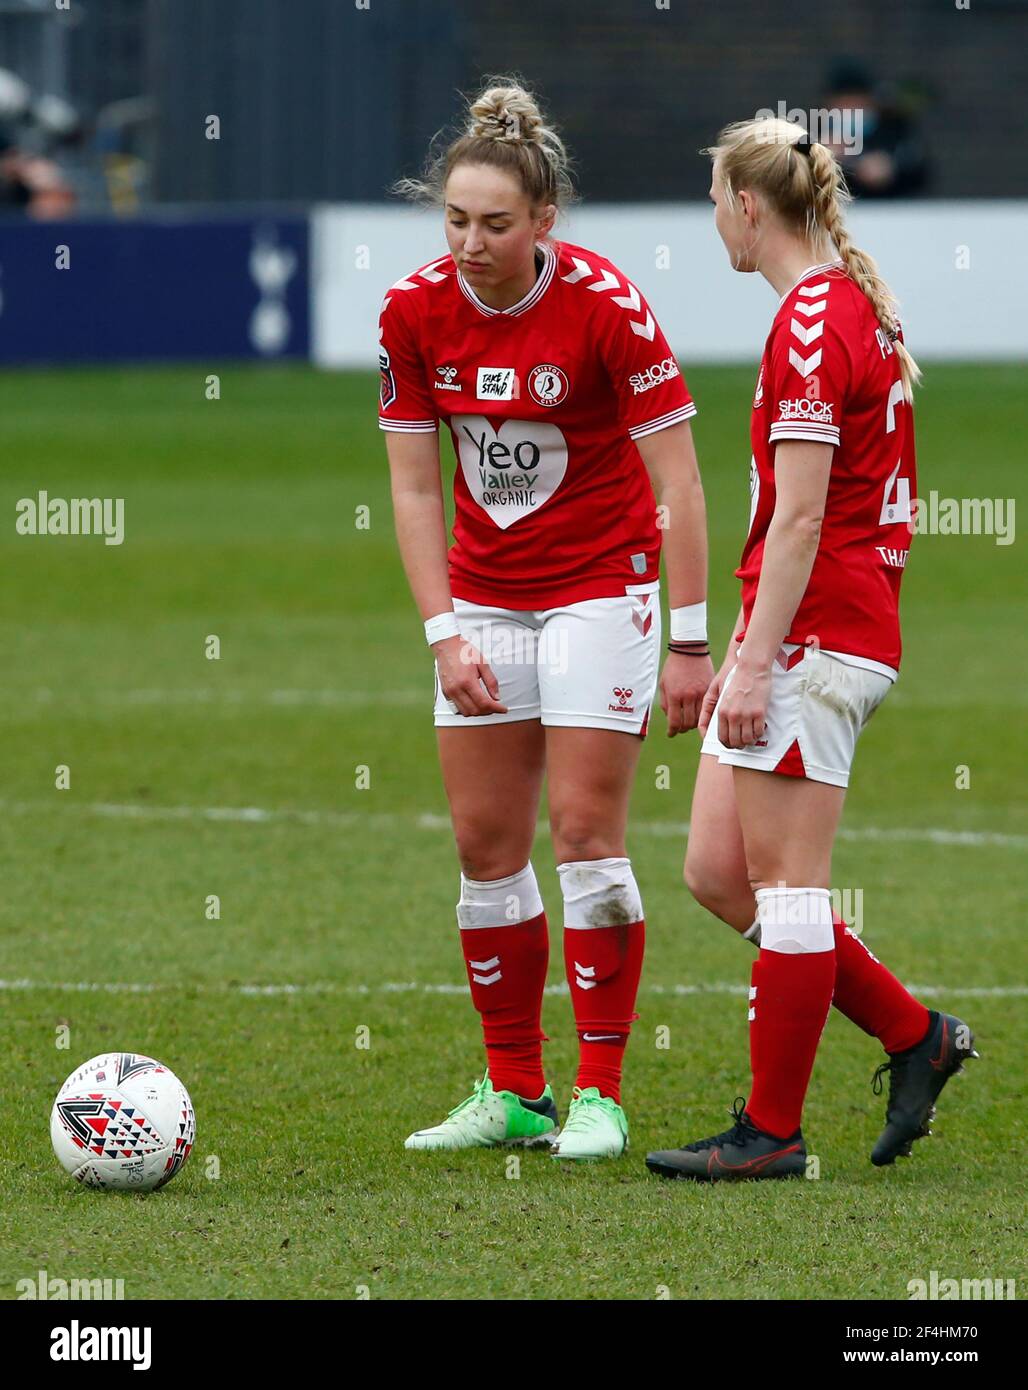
(896, 499)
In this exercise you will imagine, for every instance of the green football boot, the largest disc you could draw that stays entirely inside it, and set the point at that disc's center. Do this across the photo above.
(596, 1127)
(492, 1119)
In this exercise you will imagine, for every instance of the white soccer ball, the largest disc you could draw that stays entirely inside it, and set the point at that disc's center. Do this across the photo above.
(122, 1121)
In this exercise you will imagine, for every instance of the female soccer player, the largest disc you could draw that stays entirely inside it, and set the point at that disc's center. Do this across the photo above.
(814, 651)
(563, 401)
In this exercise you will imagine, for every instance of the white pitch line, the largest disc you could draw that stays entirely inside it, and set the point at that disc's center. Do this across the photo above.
(216, 694)
(429, 820)
(416, 987)
(246, 815)
(213, 695)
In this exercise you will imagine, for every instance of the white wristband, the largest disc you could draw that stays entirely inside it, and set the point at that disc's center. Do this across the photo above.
(443, 625)
(689, 624)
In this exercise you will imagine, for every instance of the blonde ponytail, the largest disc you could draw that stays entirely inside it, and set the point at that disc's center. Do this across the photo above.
(803, 183)
(830, 197)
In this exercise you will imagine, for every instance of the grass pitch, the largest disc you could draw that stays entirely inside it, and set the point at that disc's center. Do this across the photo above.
(237, 777)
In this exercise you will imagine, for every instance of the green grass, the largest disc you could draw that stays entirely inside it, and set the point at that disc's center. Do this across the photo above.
(240, 523)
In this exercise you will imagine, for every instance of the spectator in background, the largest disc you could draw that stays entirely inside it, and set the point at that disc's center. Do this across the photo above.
(892, 162)
(13, 192)
(32, 184)
(30, 128)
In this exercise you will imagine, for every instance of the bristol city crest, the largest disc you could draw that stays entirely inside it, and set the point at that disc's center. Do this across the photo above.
(547, 385)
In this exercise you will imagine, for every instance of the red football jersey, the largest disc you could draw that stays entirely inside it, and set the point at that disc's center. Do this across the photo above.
(829, 373)
(543, 401)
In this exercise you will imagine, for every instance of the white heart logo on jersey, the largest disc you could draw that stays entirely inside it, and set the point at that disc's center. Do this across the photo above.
(512, 471)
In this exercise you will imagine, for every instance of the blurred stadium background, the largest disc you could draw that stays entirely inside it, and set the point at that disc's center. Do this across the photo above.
(246, 244)
(262, 257)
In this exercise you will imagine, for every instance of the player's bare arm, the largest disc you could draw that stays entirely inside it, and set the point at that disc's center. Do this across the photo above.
(466, 679)
(670, 459)
(802, 470)
(728, 664)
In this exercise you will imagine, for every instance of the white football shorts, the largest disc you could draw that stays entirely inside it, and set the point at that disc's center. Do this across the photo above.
(817, 708)
(588, 665)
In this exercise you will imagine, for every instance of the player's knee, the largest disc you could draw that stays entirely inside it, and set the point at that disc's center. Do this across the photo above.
(485, 855)
(485, 867)
(709, 887)
(574, 839)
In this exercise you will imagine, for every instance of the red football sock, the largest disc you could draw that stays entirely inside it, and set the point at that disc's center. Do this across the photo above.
(603, 966)
(507, 971)
(870, 995)
(790, 996)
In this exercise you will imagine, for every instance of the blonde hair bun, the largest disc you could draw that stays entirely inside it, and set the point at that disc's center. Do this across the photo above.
(506, 113)
(504, 129)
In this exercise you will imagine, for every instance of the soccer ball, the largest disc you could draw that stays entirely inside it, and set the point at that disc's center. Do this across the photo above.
(122, 1121)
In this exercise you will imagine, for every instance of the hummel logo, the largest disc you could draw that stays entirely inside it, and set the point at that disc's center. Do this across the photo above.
(447, 374)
